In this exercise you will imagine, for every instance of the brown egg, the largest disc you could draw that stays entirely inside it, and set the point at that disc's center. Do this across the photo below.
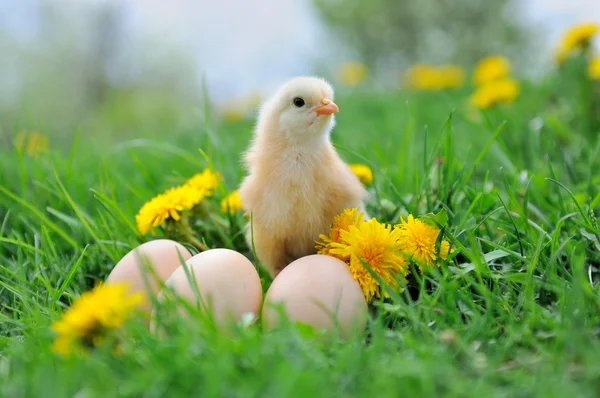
(161, 255)
(315, 290)
(227, 281)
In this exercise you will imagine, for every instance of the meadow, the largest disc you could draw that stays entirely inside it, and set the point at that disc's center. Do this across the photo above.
(514, 312)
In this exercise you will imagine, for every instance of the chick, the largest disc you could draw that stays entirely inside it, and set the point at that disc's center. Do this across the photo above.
(296, 182)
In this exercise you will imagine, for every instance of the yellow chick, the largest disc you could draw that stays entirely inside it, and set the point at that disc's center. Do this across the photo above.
(296, 182)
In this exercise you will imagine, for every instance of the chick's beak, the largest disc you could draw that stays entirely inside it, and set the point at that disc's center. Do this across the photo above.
(328, 107)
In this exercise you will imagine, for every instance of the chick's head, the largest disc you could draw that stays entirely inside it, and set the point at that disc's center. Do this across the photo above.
(303, 108)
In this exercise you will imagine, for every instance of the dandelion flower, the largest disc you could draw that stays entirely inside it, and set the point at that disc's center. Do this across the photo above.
(445, 250)
(341, 222)
(352, 73)
(207, 181)
(575, 38)
(231, 203)
(363, 172)
(432, 78)
(450, 76)
(33, 144)
(377, 245)
(500, 91)
(561, 54)
(168, 205)
(92, 316)
(417, 239)
(594, 68)
(37, 144)
(232, 115)
(489, 69)
(422, 77)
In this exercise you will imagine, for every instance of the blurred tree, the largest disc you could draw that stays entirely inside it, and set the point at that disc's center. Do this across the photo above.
(66, 67)
(403, 32)
(106, 28)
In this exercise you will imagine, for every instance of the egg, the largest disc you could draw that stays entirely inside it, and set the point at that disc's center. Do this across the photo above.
(315, 290)
(227, 281)
(161, 255)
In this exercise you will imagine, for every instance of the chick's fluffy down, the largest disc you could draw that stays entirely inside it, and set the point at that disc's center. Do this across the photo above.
(297, 183)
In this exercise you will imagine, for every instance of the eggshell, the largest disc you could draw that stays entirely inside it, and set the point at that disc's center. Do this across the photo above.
(317, 290)
(161, 255)
(227, 281)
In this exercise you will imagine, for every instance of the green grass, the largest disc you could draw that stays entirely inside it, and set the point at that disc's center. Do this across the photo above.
(517, 313)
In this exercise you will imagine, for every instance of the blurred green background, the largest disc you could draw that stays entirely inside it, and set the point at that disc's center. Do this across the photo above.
(67, 65)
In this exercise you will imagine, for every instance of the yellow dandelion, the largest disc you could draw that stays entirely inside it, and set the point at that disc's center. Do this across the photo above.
(450, 76)
(37, 144)
(231, 203)
(377, 245)
(33, 144)
(207, 181)
(232, 115)
(561, 54)
(422, 77)
(417, 239)
(168, 205)
(92, 316)
(575, 38)
(445, 250)
(432, 78)
(500, 91)
(594, 68)
(352, 73)
(363, 172)
(341, 222)
(489, 69)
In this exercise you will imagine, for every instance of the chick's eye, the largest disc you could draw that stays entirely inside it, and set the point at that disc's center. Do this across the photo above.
(298, 102)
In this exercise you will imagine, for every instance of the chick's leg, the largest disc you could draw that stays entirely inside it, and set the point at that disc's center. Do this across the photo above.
(270, 251)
